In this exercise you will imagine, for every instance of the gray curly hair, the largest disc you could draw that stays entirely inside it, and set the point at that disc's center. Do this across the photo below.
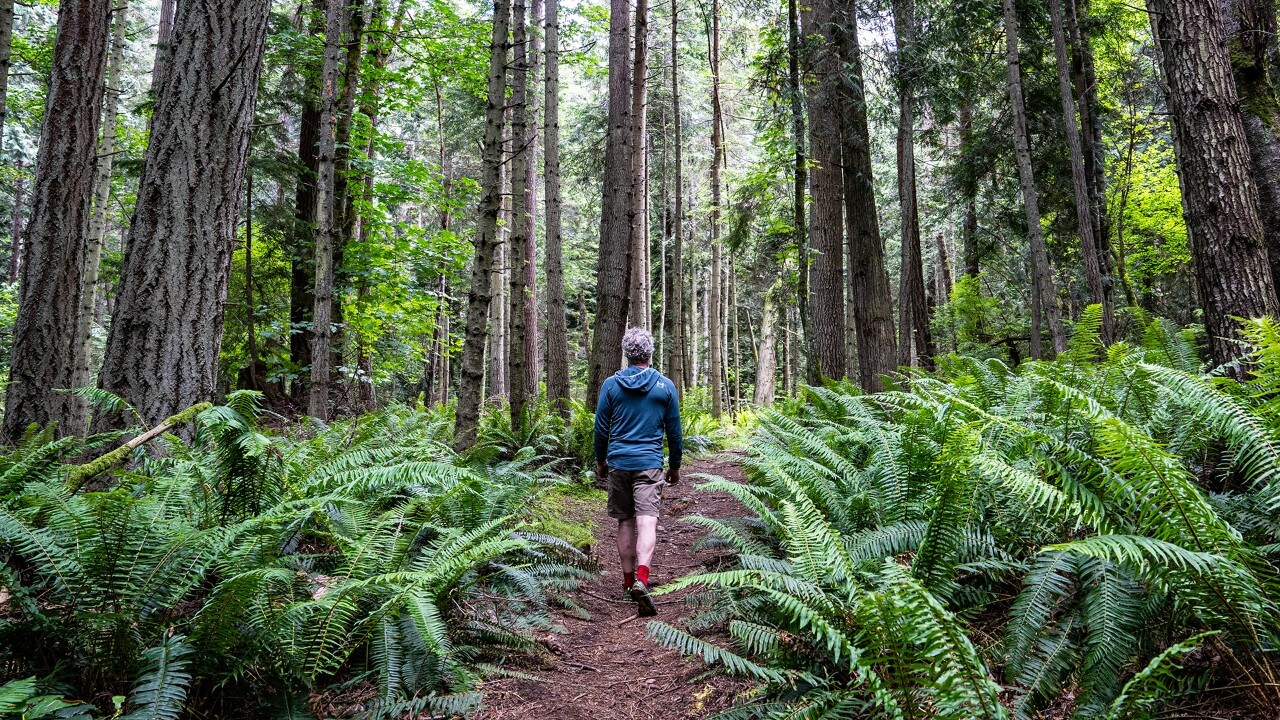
(637, 345)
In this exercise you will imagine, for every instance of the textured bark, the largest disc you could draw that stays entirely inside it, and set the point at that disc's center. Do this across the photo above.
(164, 40)
(15, 238)
(915, 346)
(943, 273)
(480, 294)
(302, 278)
(735, 348)
(101, 196)
(1255, 59)
(6, 43)
(871, 297)
(1085, 80)
(162, 354)
(715, 349)
(557, 341)
(614, 263)
(639, 306)
(969, 193)
(499, 315)
(799, 176)
(825, 305)
(677, 345)
(42, 360)
(767, 359)
(1044, 298)
(352, 44)
(1125, 186)
(346, 218)
(1220, 197)
(522, 357)
(1085, 219)
(251, 331)
(327, 222)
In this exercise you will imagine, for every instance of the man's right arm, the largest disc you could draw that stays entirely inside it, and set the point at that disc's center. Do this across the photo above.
(602, 430)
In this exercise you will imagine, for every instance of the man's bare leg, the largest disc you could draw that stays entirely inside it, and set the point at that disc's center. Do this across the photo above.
(646, 538)
(627, 546)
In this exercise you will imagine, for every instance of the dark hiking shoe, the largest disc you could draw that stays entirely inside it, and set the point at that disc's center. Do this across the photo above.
(644, 603)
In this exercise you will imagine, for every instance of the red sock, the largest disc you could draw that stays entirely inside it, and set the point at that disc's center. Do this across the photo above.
(627, 579)
(642, 574)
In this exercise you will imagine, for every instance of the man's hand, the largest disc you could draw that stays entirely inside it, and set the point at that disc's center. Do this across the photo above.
(673, 476)
(602, 472)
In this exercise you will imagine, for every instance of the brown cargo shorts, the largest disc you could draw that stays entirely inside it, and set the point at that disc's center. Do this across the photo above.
(635, 492)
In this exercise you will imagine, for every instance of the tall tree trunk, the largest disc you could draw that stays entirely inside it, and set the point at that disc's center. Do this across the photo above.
(640, 308)
(799, 174)
(499, 310)
(15, 240)
(915, 345)
(871, 296)
(715, 350)
(251, 330)
(735, 353)
(944, 270)
(969, 192)
(767, 361)
(557, 341)
(479, 296)
(614, 263)
(164, 43)
(534, 370)
(1220, 197)
(302, 277)
(1085, 218)
(1122, 272)
(352, 45)
(6, 44)
(327, 220)
(346, 217)
(675, 318)
(522, 367)
(1255, 59)
(825, 326)
(162, 354)
(1044, 298)
(1085, 79)
(42, 360)
(101, 197)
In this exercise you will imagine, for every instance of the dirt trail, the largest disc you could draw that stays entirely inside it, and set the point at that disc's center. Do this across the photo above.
(602, 668)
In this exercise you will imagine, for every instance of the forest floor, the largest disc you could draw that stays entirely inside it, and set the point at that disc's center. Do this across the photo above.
(605, 666)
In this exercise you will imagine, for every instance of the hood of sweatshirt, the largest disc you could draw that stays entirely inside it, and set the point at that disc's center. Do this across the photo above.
(637, 379)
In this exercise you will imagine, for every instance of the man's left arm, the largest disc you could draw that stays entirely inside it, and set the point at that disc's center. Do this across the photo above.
(602, 430)
(675, 437)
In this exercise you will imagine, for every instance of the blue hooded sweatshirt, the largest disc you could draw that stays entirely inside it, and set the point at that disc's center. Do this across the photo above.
(634, 408)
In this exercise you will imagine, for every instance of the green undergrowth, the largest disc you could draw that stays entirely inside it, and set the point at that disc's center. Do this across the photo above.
(361, 568)
(1097, 536)
(566, 511)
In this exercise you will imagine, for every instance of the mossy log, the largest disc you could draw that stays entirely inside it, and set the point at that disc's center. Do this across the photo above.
(78, 475)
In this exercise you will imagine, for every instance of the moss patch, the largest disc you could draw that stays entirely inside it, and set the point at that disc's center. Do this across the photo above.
(566, 512)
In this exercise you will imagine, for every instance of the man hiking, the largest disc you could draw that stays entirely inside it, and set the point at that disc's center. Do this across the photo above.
(636, 406)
